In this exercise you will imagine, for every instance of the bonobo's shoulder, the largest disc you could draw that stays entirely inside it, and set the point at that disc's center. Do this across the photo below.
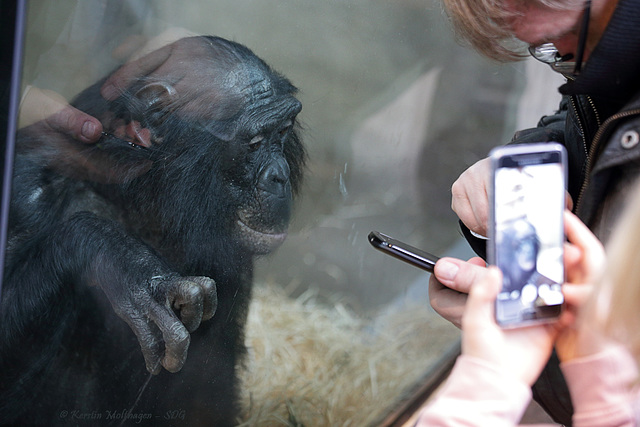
(44, 196)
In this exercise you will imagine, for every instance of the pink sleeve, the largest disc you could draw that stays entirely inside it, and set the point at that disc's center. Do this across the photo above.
(601, 388)
(477, 393)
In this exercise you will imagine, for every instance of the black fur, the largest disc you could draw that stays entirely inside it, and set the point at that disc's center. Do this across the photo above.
(103, 236)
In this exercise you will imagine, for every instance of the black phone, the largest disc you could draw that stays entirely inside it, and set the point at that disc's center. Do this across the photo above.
(526, 230)
(403, 251)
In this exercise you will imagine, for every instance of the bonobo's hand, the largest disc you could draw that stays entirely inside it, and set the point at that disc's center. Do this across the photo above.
(450, 283)
(153, 313)
(59, 119)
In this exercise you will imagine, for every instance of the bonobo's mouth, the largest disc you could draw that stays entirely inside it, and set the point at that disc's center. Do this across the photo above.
(260, 242)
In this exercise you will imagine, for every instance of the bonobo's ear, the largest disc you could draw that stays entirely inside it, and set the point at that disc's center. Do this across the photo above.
(126, 155)
(149, 106)
(156, 100)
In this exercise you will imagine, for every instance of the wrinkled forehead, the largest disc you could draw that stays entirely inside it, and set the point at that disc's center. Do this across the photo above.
(224, 82)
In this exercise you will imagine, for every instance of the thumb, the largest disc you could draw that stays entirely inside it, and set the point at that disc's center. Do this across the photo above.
(77, 124)
(482, 295)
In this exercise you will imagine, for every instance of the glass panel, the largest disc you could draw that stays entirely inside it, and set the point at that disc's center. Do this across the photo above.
(115, 237)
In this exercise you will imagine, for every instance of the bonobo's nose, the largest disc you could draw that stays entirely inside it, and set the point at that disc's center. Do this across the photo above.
(274, 178)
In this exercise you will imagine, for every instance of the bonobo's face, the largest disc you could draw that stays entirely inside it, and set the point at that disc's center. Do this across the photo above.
(263, 155)
(221, 126)
(265, 188)
(261, 164)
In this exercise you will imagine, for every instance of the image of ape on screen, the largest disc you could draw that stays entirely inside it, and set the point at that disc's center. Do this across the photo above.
(519, 249)
(519, 246)
(130, 261)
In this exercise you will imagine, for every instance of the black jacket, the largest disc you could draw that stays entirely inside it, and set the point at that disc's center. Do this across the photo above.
(599, 124)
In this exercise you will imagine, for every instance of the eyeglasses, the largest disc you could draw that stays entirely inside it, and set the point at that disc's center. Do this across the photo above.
(565, 64)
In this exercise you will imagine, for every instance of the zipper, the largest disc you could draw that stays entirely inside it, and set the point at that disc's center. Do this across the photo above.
(582, 129)
(595, 111)
(583, 132)
(594, 148)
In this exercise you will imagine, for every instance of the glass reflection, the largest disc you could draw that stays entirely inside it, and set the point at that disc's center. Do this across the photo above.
(393, 111)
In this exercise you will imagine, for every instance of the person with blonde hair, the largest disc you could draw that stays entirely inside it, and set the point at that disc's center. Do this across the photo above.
(596, 339)
(594, 44)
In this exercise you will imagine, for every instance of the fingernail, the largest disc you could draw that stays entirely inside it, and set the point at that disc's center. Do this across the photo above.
(89, 130)
(447, 270)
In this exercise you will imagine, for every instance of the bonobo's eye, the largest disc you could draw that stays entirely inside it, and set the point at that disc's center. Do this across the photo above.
(255, 142)
(286, 128)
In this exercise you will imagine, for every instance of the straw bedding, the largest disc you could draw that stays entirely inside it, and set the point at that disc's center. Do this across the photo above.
(312, 364)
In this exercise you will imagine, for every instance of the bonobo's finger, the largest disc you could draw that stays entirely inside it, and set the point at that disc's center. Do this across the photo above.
(150, 345)
(175, 335)
(129, 72)
(187, 298)
(209, 291)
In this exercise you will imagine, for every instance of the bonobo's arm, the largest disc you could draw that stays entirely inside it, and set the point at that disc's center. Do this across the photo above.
(86, 250)
(141, 289)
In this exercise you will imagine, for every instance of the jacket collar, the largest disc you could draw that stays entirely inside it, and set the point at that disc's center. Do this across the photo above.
(611, 75)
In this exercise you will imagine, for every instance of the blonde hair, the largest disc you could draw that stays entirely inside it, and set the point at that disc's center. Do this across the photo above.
(616, 302)
(484, 24)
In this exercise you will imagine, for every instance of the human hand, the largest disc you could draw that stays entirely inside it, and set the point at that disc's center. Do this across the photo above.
(142, 57)
(450, 283)
(56, 117)
(167, 64)
(136, 46)
(521, 352)
(584, 264)
(62, 137)
(469, 197)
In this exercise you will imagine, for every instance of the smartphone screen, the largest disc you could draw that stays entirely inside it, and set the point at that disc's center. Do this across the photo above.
(527, 231)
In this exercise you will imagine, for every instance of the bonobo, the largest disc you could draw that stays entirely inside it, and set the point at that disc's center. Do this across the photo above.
(130, 262)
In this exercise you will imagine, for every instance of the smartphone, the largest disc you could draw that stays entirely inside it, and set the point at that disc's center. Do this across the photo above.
(526, 230)
(402, 251)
